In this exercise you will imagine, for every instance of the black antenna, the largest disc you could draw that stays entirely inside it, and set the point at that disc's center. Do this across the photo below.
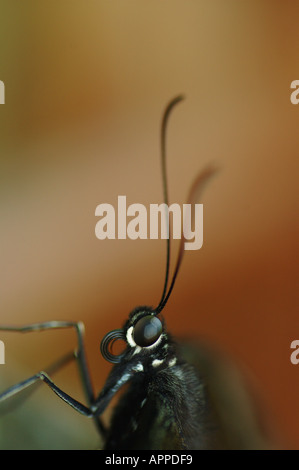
(196, 188)
(195, 191)
(166, 114)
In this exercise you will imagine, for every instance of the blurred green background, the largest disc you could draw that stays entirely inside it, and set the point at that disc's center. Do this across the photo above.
(85, 87)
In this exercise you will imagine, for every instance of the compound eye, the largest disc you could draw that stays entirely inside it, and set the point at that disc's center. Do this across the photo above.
(147, 330)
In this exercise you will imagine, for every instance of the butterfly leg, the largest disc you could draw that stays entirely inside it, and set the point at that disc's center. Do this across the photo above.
(79, 354)
(45, 378)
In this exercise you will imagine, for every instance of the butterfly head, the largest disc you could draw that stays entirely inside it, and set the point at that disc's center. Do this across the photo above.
(145, 336)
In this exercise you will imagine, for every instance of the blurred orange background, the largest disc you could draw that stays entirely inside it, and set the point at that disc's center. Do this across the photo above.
(85, 87)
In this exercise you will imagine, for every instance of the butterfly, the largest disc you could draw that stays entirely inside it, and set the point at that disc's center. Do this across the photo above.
(176, 395)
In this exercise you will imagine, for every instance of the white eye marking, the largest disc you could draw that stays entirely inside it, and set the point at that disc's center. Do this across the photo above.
(172, 362)
(131, 342)
(157, 362)
(130, 337)
(156, 343)
(137, 350)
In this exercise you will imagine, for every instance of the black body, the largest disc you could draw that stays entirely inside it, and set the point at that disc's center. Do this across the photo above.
(164, 408)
